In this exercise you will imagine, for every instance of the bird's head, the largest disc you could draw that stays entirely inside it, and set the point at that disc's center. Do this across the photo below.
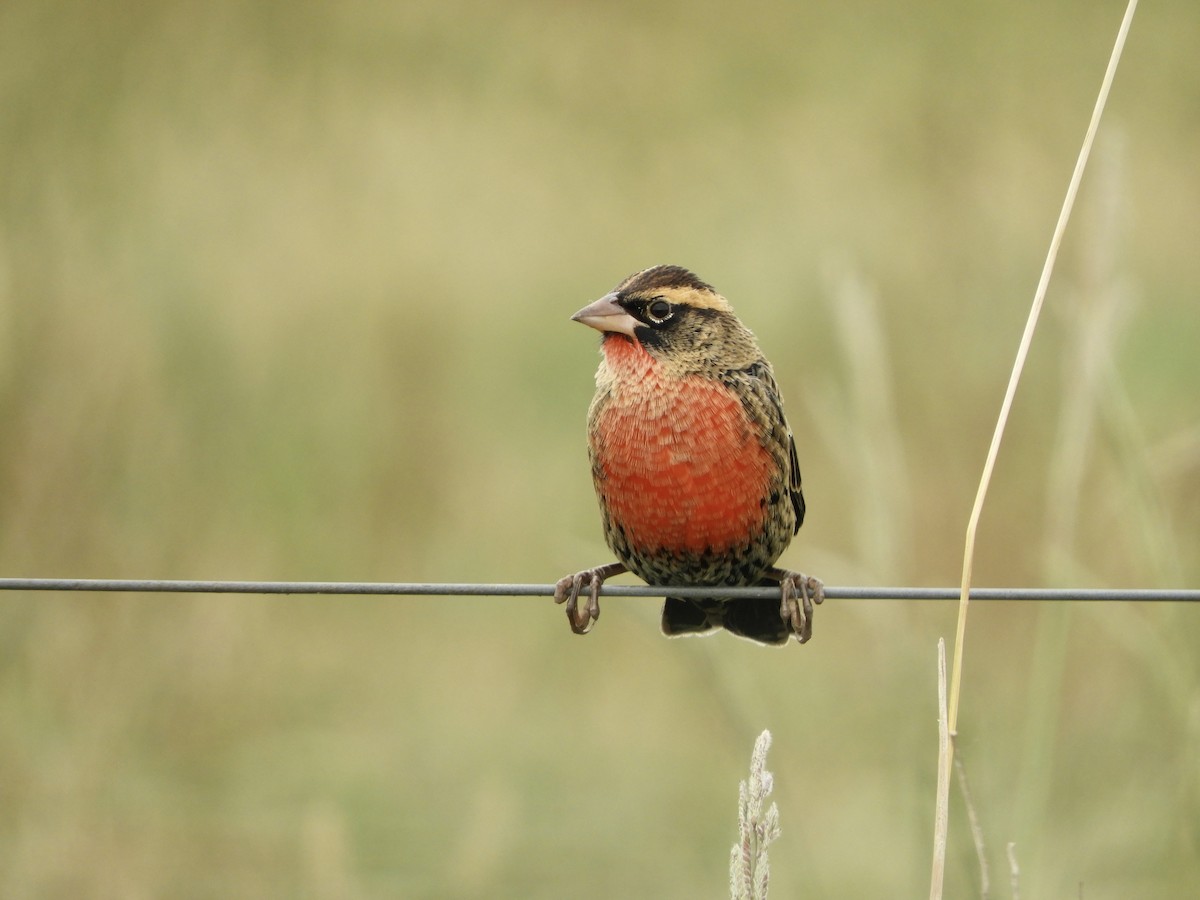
(675, 317)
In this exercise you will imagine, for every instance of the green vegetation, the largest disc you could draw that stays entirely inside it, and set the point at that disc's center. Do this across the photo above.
(284, 294)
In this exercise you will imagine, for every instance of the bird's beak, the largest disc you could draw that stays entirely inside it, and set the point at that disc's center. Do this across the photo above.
(607, 315)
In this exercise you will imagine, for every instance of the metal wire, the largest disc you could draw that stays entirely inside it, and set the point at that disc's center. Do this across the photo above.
(615, 590)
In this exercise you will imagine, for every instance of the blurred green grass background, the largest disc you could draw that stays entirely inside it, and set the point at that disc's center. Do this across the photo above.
(284, 292)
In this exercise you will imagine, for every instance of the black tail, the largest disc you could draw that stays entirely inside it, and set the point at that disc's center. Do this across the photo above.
(682, 617)
(755, 620)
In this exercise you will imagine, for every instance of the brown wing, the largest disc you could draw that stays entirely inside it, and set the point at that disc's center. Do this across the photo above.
(794, 482)
(762, 398)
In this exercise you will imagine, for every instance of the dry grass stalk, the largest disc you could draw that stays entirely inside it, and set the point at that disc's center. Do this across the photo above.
(749, 874)
(942, 807)
(1013, 870)
(1064, 216)
(960, 771)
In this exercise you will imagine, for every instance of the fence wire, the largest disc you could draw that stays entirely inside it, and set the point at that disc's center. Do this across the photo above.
(443, 589)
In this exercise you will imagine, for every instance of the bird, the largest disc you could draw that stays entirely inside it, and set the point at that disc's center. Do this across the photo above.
(694, 465)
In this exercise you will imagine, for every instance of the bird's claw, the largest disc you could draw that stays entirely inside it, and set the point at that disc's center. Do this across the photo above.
(798, 593)
(569, 588)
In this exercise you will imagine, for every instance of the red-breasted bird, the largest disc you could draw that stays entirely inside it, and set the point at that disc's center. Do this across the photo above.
(694, 464)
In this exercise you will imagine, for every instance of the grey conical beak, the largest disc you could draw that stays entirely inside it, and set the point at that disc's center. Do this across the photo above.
(607, 315)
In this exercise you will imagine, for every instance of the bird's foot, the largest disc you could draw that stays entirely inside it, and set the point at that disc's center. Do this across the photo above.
(797, 593)
(568, 589)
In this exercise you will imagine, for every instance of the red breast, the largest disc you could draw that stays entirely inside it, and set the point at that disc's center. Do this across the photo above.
(680, 465)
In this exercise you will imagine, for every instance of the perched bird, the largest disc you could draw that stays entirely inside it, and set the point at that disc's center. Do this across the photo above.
(694, 464)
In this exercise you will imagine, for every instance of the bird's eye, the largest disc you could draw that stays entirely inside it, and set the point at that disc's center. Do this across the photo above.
(658, 311)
